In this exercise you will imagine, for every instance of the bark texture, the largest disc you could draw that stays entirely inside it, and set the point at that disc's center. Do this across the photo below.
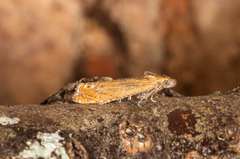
(173, 127)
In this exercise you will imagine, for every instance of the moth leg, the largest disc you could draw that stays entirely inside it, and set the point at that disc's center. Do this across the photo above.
(129, 98)
(152, 98)
(140, 102)
(143, 97)
(154, 91)
(120, 100)
(150, 93)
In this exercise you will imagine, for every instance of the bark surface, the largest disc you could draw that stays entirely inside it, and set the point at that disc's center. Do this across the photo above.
(173, 127)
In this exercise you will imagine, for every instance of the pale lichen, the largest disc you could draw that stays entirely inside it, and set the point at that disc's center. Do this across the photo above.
(4, 120)
(49, 144)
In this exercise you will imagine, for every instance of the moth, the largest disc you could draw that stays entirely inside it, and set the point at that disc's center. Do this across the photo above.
(105, 91)
(64, 95)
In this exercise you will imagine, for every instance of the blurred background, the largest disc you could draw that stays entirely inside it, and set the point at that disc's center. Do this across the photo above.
(48, 43)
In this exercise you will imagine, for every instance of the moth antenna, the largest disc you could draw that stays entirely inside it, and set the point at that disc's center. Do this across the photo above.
(163, 75)
(150, 73)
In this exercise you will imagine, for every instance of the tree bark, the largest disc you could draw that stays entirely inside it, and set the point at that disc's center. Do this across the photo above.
(173, 127)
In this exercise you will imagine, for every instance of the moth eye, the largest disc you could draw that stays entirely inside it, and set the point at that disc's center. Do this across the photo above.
(166, 83)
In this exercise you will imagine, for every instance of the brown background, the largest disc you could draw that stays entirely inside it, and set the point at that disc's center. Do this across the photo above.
(46, 44)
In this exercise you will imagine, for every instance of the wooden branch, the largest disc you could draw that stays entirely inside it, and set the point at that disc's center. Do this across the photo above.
(173, 127)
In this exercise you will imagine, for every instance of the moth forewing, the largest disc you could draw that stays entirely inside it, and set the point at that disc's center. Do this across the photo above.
(102, 92)
(112, 90)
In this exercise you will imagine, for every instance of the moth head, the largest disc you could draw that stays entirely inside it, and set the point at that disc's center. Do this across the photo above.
(169, 83)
